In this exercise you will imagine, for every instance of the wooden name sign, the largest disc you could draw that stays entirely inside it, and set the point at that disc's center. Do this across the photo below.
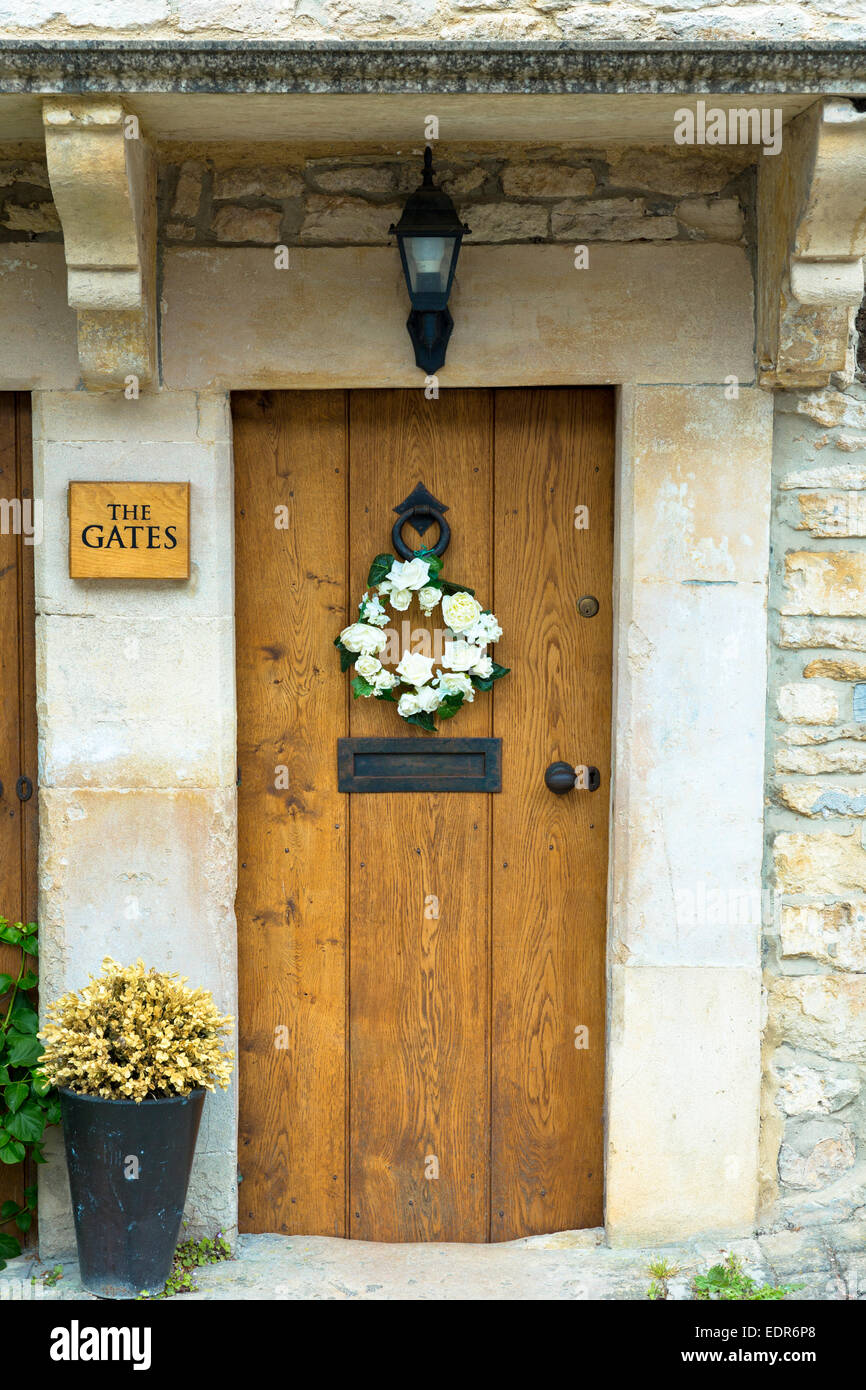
(129, 530)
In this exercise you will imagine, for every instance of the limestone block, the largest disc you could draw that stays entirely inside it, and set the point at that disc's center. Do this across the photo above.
(835, 669)
(833, 933)
(807, 1090)
(123, 701)
(363, 180)
(166, 437)
(36, 218)
(824, 1013)
(38, 330)
(718, 219)
(844, 634)
(826, 583)
(683, 1131)
(807, 704)
(675, 170)
(257, 181)
(464, 181)
(694, 454)
(187, 194)
(538, 179)
(842, 757)
(815, 1153)
(555, 325)
(505, 221)
(833, 514)
(147, 874)
(609, 219)
(823, 799)
(334, 221)
(686, 886)
(831, 408)
(239, 224)
(819, 863)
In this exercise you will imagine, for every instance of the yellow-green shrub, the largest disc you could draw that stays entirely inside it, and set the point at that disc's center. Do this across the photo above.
(136, 1034)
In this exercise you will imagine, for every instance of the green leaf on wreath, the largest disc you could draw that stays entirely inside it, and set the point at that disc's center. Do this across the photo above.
(485, 682)
(450, 705)
(360, 687)
(450, 588)
(387, 695)
(380, 570)
(433, 560)
(347, 658)
(424, 719)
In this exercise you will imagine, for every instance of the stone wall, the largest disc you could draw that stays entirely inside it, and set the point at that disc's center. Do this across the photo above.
(580, 21)
(814, 1130)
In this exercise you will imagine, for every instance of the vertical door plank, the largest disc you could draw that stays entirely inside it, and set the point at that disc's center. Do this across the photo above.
(18, 820)
(554, 451)
(419, 984)
(290, 451)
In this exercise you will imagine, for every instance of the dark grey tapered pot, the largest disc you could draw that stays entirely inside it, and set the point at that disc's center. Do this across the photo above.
(129, 1165)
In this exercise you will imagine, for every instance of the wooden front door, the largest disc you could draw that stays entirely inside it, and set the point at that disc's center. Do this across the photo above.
(422, 974)
(18, 818)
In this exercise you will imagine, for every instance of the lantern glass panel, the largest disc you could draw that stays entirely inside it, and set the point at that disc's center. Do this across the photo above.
(428, 265)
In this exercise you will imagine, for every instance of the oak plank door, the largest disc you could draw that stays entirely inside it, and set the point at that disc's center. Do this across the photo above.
(18, 819)
(419, 971)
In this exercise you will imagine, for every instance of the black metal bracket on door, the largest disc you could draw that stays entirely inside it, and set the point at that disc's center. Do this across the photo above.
(422, 509)
(24, 789)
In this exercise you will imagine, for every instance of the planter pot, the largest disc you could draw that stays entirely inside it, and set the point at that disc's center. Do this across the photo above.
(129, 1167)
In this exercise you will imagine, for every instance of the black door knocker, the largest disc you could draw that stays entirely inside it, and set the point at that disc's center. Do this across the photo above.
(422, 509)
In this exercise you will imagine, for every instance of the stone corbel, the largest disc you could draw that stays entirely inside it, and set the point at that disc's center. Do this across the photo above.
(103, 178)
(811, 243)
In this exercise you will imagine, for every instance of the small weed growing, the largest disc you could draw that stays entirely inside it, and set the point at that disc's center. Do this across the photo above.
(190, 1255)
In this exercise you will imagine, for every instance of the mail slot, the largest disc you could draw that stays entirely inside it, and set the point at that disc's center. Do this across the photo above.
(416, 765)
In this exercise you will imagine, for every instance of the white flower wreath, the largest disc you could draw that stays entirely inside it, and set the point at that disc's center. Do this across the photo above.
(420, 688)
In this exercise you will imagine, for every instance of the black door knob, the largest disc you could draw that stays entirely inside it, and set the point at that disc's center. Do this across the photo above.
(562, 777)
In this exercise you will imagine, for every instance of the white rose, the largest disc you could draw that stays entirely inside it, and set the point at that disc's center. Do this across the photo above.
(361, 637)
(409, 574)
(384, 680)
(428, 699)
(373, 612)
(400, 599)
(385, 588)
(368, 666)
(460, 656)
(452, 683)
(415, 668)
(485, 630)
(460, 611)
(483, 667)
(428, 598)
(408, 704)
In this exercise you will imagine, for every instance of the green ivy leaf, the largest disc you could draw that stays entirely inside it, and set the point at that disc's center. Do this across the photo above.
(5, 982)
(13, 936)
(424, 719)
(24, 1221)
(41, 1087)
(24, 1017)
(28, 1123)
(380, 569)
(25, 1049)
(12, 1152)
(29, 980)
(30, 946)
(4, 1076)
(15, 1095)
(9, 1246)
(8, 1210)
(361, 687)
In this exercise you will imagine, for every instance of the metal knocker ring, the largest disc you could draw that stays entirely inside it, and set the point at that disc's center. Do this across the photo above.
(400, 545)
(24, 788)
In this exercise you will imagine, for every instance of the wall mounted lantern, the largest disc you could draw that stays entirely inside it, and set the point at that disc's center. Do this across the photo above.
(429, 234)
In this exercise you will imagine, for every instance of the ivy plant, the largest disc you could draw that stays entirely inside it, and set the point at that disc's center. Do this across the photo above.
(27, 1102)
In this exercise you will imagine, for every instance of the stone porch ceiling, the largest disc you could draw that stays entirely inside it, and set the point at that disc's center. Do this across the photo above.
(594, 95)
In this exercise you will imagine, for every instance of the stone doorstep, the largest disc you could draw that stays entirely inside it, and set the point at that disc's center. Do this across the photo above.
(569, 1265)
